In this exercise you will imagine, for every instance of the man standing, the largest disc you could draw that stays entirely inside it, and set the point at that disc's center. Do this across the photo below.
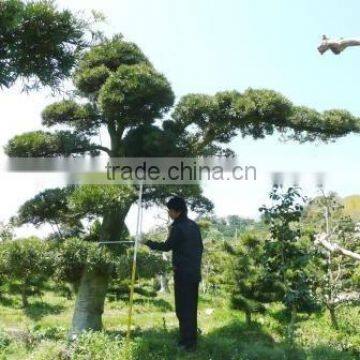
(186, 244)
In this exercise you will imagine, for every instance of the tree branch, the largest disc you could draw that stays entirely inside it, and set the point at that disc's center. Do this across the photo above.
(346, 298)
(91, 148)
(336, 46)
(322, 239)
(102, 148)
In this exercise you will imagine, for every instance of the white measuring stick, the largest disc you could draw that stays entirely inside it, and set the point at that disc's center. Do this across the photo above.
(137, 239)
(138, 223)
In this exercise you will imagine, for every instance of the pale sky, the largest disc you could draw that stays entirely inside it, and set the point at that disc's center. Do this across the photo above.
(209, 46)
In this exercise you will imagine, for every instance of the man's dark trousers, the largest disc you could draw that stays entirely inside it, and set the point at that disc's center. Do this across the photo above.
(186, 301)
(186, 244)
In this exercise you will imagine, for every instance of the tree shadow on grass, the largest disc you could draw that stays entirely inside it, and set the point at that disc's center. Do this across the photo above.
(7, 301)
(38, 309)
(283, 316)
(234, 341)
(160, 304)
(122, 293)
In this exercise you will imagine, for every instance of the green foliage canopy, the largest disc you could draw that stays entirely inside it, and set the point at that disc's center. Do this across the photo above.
(38, 42)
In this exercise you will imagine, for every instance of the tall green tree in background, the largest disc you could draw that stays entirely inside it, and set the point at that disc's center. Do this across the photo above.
(253, 284)
(119, 90)
(288, 255)
(38, 42)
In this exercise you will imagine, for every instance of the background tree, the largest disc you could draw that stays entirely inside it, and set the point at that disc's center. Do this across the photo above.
(221, 237)
(253, 286)
(326, 214)
(215, 263)
(121, 92)
(159, 234)
(39, 43)
(26, 264)
(288, 255)
(6, 231)
(229, 227)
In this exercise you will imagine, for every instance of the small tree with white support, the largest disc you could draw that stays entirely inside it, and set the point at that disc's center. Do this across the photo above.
(325, 214)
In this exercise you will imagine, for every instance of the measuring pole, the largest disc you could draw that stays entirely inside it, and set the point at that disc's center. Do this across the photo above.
(133, 273)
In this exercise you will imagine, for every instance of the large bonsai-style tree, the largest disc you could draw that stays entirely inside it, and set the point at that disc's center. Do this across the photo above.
(121, 91)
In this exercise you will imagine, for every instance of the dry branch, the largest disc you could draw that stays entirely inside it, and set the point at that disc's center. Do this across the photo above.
(336, 46)
(353, 297)
(322, 239)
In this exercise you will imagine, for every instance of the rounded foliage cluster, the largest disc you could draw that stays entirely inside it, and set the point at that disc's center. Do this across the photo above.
(125, 84)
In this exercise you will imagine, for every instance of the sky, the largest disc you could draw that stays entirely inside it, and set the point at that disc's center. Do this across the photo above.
(210, 46)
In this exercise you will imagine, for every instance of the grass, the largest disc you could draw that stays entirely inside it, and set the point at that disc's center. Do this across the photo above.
(40, 332)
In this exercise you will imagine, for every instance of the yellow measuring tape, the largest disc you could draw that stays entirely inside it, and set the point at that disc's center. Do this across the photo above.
(133, 271)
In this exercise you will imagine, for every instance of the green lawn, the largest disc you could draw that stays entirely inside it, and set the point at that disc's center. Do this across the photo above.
(40, 331)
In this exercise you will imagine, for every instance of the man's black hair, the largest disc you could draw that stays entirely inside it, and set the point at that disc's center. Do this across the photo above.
(177, 203)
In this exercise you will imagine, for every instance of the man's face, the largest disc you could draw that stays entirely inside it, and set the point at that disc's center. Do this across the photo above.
(173, 214)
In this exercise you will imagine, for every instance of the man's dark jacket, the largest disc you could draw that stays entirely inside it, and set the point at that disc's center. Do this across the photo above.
(186, 244)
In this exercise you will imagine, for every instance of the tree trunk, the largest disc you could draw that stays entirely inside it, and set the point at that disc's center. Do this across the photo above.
(92, 288)
(164, 281)
(164, 284)
(90, 300)
(113, 226)
(291, 326)
(24, 298)
(333, 317)
(248, 318)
